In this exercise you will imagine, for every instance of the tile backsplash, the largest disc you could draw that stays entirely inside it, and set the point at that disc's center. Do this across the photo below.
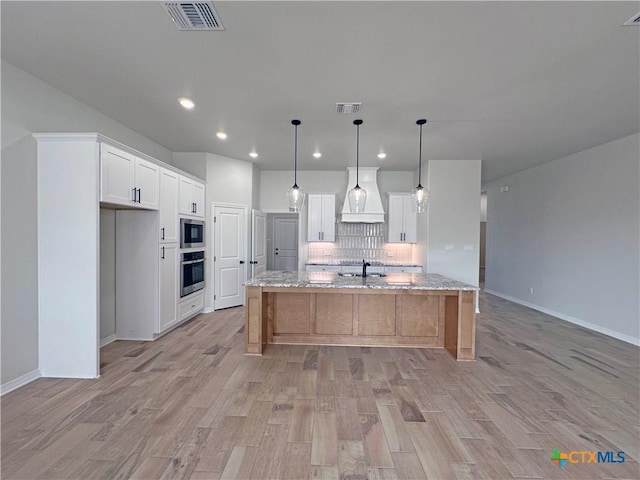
(358, 241)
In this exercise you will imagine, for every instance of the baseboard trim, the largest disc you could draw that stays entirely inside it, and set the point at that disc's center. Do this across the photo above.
(21, 381)
(107, 340)
(567, 318)
(207, 310)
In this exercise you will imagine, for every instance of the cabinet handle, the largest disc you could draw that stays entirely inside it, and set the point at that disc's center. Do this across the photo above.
(162, 237)
(195, 207)
(241, 262)
(163, 253)
(139, 196)
(133, 191)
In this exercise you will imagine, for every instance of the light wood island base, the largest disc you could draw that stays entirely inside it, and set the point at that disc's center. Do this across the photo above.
(361, 317)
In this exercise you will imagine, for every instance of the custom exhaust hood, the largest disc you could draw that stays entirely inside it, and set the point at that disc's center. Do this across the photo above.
(373, 211)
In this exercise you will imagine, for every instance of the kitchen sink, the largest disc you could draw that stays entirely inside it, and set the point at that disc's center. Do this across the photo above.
(357, 274)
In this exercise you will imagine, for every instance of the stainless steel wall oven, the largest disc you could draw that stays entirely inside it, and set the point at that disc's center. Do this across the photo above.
(191, 272)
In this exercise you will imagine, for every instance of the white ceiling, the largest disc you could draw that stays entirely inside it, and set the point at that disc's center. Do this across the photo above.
(513, 83)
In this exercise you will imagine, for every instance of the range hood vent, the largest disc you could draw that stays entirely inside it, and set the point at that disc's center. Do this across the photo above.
(194, 15)
(373, 211)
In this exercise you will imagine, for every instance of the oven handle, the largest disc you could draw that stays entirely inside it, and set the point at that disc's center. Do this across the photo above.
(191, 262)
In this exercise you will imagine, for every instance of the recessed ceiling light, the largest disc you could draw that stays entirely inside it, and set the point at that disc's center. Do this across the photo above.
(186, 103)
(253, 155)
(382, 155)
(221, 135)
(317, 155)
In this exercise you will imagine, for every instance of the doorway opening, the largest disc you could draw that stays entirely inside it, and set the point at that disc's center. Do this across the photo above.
(483, 236)
(282, 241)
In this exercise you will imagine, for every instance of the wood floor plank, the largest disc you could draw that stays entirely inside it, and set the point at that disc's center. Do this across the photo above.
(301, 428)
(324, 445)
(192, 405)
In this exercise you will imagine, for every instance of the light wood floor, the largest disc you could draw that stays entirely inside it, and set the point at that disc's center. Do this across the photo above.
(191, 405)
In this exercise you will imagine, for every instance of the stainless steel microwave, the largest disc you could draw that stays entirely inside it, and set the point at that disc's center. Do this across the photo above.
(191, 233)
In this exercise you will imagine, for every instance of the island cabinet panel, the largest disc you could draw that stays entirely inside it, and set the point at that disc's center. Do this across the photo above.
(334, 314)
(419, 315)
(377, 315)
(291, 313)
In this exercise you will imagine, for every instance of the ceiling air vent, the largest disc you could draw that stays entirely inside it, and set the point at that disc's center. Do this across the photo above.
(635, 20)
(348, 108)
(194, 15)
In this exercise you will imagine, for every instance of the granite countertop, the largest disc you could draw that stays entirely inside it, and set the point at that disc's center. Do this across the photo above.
(398, 281)
(373, 264)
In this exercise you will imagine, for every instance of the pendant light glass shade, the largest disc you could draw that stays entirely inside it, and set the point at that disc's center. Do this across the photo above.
(420, 195)
(295, 195)
(357, 195)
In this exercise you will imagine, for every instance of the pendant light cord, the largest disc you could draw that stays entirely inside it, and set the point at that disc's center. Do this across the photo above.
(357, 155)
(420, 160)
(295, 159)
(420, 122)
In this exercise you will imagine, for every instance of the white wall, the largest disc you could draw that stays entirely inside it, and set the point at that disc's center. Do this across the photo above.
(107, 273)
(30, 105)
(569, 230)
(453, 219)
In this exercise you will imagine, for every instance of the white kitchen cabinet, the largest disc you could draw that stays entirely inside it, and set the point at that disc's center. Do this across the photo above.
(403, 221)
(403, 269)
(169, 221)
(191, 305)
(128, 180)
(191, 198)
(322, 218)
(169, 286)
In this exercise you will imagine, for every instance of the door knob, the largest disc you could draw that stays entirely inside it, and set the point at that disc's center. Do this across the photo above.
(241, 262)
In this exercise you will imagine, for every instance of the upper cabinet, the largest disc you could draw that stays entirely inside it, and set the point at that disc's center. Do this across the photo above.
(402, 219)
(128, 180)
(191, 198)
(169, 181)
(322, 217)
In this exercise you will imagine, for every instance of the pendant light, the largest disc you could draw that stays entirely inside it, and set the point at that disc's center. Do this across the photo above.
(357, 195)
(295, 195)
(420, 195)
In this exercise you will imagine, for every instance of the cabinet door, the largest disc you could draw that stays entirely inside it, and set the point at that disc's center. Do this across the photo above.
(328, 218)
(168, 206)
(186, 196)
(198, 199)
(314, 232)
(410, 220)
(116, 176)
(168, 286)
(147, 180)
(396, 207)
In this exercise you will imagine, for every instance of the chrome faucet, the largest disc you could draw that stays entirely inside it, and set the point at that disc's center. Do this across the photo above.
(364, 268)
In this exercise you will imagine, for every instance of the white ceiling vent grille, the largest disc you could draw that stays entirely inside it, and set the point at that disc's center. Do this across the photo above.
(635, 20)
(194, 15)
(348, 108)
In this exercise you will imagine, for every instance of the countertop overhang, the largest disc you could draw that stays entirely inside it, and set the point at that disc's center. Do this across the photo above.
(393, 281)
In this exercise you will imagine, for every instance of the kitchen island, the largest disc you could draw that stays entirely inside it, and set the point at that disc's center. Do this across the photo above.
(324, 308)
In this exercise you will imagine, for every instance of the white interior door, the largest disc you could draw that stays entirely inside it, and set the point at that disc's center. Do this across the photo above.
(229, 256)
(258, 242)
(285, 243)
